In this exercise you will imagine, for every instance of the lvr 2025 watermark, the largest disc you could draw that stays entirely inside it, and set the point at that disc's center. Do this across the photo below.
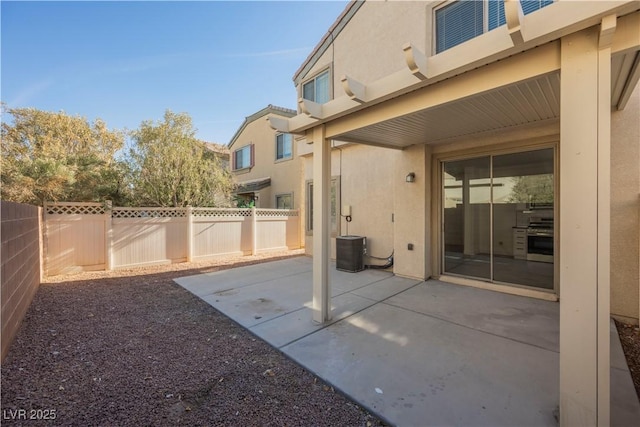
(28, 414)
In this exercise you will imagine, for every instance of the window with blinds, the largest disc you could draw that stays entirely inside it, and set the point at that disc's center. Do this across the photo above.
(317, 89)
(284, 146)
(462, 20)
(243, 157)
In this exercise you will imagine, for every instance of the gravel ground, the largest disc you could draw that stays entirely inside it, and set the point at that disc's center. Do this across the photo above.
(133, 348)
(630, 339)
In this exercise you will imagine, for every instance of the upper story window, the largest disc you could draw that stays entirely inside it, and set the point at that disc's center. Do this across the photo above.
(459, 21)
(284, 146)
(243, 157)
(317, 89)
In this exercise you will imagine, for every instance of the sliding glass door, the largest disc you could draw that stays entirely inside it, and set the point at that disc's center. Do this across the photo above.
(498, 218)
(467, 229)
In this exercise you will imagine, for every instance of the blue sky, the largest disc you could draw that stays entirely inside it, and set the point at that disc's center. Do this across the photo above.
(126, 62)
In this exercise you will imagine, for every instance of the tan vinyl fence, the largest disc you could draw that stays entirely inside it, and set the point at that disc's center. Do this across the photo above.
(94, 236)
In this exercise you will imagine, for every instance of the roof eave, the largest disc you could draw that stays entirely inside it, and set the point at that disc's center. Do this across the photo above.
(269, 109)
(327, 39)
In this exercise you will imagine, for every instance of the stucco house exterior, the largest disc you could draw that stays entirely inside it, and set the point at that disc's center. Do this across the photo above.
(488, 143)
(264, 162)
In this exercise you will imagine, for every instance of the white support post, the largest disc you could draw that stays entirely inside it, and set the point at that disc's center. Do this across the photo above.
(321, 227)
(108, 236)
(189, 234)
(254, 231)
(584, 230)
(607, 30)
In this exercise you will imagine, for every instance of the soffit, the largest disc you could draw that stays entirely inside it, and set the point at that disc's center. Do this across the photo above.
(523, 103)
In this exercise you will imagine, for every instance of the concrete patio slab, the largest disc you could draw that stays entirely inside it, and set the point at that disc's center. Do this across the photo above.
(205, 284)
(298, 324)
(342, 281)
(523, 319)
(418, 370)
(253, 304)
(415, 353)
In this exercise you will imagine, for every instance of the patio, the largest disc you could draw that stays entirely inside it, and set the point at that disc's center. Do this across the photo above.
(415, 353)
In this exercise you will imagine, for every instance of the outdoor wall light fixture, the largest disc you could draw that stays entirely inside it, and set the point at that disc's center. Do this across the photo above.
(411, 177)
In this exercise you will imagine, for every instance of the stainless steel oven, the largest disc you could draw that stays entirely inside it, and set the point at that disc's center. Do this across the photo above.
(540, 240)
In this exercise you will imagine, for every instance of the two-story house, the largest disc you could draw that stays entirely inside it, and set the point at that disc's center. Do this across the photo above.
(264, 163)
(490, 143)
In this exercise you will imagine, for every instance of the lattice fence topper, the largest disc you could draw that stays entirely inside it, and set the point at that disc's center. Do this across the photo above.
(75, 209)
(221, 212)
(276, 212)
(149, 213)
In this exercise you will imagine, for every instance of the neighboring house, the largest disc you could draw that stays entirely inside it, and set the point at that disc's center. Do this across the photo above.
(487, 143)
(264, 163)
(221, 152)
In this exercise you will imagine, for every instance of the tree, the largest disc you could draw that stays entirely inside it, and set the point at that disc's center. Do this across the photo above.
(172, 168)
(54, 156)
(532, 189)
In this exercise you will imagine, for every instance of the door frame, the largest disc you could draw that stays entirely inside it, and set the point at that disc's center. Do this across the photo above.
(455, 152)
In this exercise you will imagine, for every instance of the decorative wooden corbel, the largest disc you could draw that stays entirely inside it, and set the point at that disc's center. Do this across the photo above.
(416, 61)
(514, 17)
(607, 30)
(354, 89)
(279, 124)
(310, 108)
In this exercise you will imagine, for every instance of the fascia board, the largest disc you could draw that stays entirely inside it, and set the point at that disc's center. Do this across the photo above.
(547, 24)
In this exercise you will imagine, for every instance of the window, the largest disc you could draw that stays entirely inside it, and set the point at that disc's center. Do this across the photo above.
(243, 157)
(317, 89)
(284, 146)
(462, 20)
(334, 198)
(284, 201)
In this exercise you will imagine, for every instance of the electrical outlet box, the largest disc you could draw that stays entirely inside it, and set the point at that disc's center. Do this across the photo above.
(346, 210)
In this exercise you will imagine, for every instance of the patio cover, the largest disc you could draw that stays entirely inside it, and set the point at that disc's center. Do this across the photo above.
(252, 185)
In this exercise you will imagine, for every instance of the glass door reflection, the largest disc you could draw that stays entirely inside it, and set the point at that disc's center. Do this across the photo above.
(467, 234)
(523, 218)
(498, 218)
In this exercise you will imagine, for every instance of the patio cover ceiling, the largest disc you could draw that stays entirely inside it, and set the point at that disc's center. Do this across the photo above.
(531, 102)
(536, 100)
